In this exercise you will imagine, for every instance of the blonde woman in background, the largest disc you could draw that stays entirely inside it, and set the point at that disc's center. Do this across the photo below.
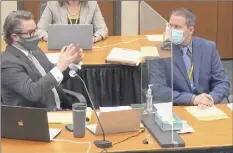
(73, 12)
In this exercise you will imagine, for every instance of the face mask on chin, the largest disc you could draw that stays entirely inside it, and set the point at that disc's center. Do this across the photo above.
(29, 43)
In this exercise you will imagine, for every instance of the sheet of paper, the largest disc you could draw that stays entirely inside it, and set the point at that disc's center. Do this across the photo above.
(186, 128)
(149, 51)
(165, 111)
(211, 113)
(230, 106)
(155, 37)
(111, 109)
(66, 117)
(53, 57)
(60, 117)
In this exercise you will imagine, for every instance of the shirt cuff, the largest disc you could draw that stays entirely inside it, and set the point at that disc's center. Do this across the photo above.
(192, 99)
(211, 98)
(57, 74)
(75, 67)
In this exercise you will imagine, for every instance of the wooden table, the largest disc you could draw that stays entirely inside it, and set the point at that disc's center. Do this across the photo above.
(97, 56)
(208, 135)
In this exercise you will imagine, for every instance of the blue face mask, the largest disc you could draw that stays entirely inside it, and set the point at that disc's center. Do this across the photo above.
(177, 37)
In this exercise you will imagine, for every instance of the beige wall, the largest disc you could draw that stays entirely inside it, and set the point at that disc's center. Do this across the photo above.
(129, 17)
(6, 8)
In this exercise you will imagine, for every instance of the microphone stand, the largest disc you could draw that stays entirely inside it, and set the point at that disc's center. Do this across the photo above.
(98, 143)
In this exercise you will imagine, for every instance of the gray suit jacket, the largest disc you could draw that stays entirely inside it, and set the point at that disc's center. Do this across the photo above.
(23, 85)
(90, 14)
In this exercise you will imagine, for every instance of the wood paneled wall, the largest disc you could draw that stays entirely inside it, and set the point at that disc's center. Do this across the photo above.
(214, 21)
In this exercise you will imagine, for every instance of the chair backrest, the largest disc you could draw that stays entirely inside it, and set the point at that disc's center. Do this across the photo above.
(41, 9)
(230, 98)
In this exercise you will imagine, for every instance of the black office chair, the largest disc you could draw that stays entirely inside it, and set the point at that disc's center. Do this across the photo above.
(76, 97)
(230, 98)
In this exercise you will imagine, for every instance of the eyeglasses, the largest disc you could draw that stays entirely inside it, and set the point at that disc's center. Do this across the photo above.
(30, 33)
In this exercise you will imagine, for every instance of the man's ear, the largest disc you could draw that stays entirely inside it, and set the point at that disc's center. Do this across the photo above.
(191, 30)
(15, 37)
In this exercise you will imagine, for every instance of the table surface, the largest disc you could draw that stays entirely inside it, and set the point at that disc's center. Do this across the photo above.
(97, 56)
(208, 134)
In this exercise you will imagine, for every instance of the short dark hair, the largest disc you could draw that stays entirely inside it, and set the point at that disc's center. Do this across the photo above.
(13, 22)
(188, 14)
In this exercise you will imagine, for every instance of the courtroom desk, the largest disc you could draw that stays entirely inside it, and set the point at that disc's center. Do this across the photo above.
(109, 84)
(209, 136)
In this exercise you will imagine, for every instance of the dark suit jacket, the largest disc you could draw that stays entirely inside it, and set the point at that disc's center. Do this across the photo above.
(209, 75)
(22, 83)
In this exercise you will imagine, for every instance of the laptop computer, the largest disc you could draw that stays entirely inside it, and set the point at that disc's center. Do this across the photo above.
(117, 122)
(60, 35)
(26, 124)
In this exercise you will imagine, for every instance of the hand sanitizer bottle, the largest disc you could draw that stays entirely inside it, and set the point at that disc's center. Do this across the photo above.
(149, 97)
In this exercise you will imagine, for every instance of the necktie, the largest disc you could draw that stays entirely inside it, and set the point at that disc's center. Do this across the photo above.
(43, 73)
(188, 64)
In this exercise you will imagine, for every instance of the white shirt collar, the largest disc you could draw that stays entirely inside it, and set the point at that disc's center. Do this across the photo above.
(22, 50)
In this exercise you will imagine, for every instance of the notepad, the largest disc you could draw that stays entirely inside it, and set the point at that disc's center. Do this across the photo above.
(155, 37)
(211, 113)
(66, 117)
(149, 51)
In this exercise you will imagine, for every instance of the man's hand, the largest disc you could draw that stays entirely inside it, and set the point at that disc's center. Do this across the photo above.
(45, 38)
(203, 100)
(69, 54)
(79, 51)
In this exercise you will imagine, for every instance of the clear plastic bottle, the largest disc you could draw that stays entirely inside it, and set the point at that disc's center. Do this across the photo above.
(149, 100)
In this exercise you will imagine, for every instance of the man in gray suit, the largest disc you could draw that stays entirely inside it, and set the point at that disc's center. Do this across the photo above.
(29, 79)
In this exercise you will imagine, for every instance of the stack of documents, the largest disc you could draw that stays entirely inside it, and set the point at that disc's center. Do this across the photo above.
(66, 117)
(211, 113)
(124, 57)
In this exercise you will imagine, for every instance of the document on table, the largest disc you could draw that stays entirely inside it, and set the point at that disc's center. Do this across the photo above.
(66, 117)
(148, 51)
(155, 37)
(230, 106)
(211, 113)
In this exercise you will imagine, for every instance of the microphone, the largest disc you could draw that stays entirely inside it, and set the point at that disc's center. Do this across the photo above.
(98, 143)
